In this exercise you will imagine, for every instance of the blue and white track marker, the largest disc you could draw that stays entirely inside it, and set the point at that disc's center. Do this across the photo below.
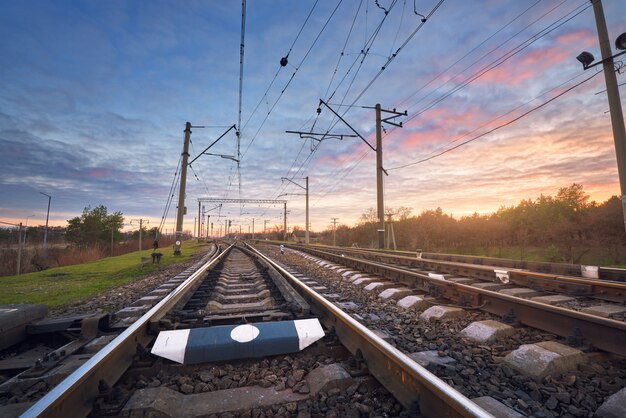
(230, 342)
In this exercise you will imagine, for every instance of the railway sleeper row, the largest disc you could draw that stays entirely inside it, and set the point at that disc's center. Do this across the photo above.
(544, 359)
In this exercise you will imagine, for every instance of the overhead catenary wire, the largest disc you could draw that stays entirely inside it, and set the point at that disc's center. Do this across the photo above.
(264, 96)
(506, 113)
(501, 60)
(390, 59)
(292, 77)
(364, 52)
(170, 195)
(423, 160)
(339, 177)
(348, 169)
(470, 52)
(241, 56)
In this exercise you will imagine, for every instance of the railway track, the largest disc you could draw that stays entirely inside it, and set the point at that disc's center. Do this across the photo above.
(407, 290)
(572, 270)
(243, 289)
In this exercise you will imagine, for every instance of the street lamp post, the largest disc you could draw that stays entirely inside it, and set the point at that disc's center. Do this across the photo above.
(45, 236)
(612, 92)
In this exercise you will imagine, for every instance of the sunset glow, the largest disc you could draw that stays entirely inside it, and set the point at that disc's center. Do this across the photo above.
(95, 96)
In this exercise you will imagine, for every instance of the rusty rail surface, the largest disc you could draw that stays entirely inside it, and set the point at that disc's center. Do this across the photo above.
(414, 386)
(75, 395)
(603, 333)
(574, 270)
(574, 286)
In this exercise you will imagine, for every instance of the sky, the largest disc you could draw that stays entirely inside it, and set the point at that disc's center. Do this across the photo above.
(95, 95)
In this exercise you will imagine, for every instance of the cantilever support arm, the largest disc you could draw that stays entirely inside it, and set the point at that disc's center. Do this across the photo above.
(322, 102)
(212, 143)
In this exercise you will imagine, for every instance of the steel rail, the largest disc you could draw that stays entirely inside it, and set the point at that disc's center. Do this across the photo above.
(605, 334)
(575, 286)
(414, 386)
(75, 395)
(573, 270)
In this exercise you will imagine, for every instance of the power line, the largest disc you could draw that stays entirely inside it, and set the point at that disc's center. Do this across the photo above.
(496, 63)
(395, 54)
(170, 195)
(470, 52)
(241, 55)
(506, 114)
(365, 52)
(292, 77)
(496, 128)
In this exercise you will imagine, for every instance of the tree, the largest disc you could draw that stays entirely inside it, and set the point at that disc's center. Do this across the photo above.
(94, 227)
(608, 227)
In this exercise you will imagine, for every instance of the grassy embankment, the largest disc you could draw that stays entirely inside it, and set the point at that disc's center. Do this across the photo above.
(64, 285)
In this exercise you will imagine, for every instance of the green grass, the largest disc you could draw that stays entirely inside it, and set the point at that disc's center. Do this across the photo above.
(65, 285)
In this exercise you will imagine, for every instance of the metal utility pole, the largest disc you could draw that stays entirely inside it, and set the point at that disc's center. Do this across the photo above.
(252, 228)
(306, 233)
(334, 229)
(265, 226)
(199, 221)
(141, 228)
(45, 237)
(19, 250)
(379, 159)
(285, 221)
(380, 205)
(391, 235)
(379, 167)
(306, 189)
(181, 194)
(615, 105)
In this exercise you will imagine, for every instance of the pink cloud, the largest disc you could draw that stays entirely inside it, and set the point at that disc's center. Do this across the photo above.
(96, 173)
(442, 123)
(534, 62)
(582, 37)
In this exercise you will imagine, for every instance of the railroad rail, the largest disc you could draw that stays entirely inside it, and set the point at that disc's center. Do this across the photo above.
(604, 333)
(575, 286)
(415, 387)
(562, 269)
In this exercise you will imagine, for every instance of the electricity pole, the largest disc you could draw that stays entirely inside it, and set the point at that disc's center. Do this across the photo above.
(45, 237)
(199, 222)
(379, 167)
(379, 159)
(379, 180)
(181, 194)
(285, 221)
(306, 189)
(19, 250)
(141, 228)
(334, 229)
(615, 105)
(306, 234)
(252, 228)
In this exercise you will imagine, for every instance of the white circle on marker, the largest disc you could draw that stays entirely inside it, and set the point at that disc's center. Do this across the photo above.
(178, 243)
(244, 333)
